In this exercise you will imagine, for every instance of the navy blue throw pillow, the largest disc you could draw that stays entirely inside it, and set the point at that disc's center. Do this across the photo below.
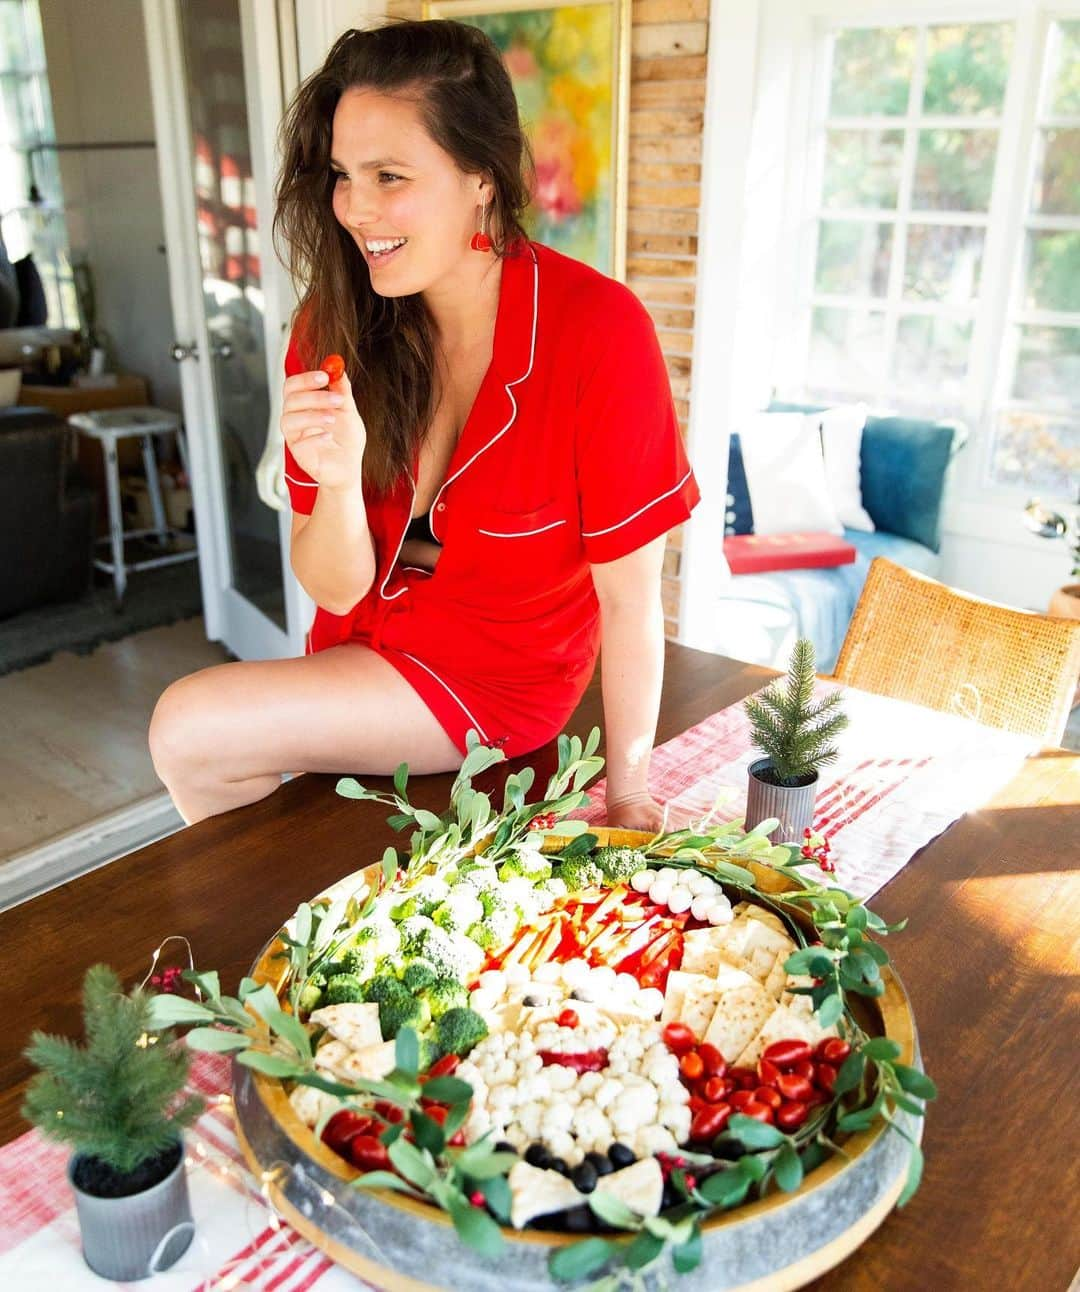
(9, 290)
(33, 308)
(738, 514)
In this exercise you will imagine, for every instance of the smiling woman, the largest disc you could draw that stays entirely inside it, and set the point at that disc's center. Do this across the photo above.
(480, 500)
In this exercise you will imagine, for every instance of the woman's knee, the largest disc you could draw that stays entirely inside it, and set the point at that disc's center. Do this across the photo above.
(180, 733)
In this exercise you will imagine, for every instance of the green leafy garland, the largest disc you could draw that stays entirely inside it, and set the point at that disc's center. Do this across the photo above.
(844, 958)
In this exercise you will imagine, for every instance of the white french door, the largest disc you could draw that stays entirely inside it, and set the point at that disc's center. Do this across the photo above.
(220, 72)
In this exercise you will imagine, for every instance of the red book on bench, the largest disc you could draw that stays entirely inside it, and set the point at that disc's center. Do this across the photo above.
(760, 553)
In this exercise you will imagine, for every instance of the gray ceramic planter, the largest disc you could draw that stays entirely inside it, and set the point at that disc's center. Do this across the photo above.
(134, 1237)
(793, 806)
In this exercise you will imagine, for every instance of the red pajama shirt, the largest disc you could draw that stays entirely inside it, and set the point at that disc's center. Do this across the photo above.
(571, 456)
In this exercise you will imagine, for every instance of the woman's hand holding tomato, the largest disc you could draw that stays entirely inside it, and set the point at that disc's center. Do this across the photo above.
(319, 421)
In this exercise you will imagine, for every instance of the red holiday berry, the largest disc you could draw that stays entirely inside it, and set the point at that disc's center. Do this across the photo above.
(477, 1198)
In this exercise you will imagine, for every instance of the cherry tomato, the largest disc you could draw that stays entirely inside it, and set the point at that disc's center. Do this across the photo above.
(785, 1054)
(708, 1123)
(715, 1089)
(695, 1103)
(389, 1112)
(345, 1126)
(794, 1087)
(833, 1050)
(740, 1099)
(457, 1140)
(825, 1077)
(334, 367)
(790, 1116)
(691, 1066)
(437, 1113)
(368, 1152)
(767, 1072)
(445, 1067)
(815, 1097)
(744, 1078)
(679, 1038)
(714, 1061)
(768, 1096)
(805, 1069)
(568, 1018)
(759, 1112)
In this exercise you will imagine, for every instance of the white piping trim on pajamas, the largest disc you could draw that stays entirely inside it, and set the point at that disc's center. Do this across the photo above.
(401, 544)
(464, 708)
(506, 386)
(595, 533)
(521, 533)
(306, 484)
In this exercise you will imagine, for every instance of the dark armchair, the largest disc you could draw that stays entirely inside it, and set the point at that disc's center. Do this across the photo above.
(46, 515)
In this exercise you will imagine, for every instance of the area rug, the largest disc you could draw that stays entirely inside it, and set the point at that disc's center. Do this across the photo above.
(153, 598)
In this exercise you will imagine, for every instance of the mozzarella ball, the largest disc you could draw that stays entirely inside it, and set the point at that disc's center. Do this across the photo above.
(550, 972)
(660, 892)
(650, 1000)
(720, 913)
(642, 881)
(669, 873)
(679, 900)
(702, 905)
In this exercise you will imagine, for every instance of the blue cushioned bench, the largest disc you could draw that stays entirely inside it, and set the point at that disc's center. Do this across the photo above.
(903, 470)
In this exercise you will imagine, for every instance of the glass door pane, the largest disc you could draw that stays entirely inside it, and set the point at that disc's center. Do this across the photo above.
(232, 289)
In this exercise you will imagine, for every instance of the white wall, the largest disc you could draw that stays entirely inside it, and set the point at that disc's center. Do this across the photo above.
(100, 86)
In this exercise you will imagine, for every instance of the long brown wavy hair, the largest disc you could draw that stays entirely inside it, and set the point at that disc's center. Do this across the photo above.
(468, 107)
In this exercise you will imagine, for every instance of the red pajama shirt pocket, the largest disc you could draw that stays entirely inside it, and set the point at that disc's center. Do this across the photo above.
(526, 550)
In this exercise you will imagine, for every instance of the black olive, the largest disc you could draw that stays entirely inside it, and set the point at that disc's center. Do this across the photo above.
(582, 993)
(601, 1163)
(584, 1176)
(532, 1000)
(557, 1164)
(671, 1196)
(504, 1146)
(579, 1220)
(537, 1155)
(621, 1156)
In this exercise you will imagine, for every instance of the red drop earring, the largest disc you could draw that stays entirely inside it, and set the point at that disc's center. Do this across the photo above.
(480, 240)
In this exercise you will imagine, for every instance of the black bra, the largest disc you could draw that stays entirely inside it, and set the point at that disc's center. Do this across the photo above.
(420, 528)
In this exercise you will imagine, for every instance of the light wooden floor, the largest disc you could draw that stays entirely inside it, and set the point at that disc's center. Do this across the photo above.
(73, 731)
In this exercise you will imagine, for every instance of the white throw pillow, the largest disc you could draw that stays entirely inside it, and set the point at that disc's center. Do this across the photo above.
(841, 442)
(785, 475)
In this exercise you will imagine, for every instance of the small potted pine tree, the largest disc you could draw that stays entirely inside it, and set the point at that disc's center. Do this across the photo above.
(794, 732)
(119, 1100)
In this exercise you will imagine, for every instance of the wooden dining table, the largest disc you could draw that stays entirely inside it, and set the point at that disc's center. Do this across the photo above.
(988, 960)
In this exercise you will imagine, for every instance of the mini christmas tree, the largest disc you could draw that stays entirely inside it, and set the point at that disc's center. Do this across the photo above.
(791, 729)
(120, 1097)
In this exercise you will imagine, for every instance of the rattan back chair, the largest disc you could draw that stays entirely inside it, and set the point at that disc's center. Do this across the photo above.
(916, 639)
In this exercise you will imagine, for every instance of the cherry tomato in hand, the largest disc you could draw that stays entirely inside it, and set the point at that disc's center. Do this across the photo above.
(334, 367)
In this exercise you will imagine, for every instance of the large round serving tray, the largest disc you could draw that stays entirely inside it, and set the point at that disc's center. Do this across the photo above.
(778, 1242)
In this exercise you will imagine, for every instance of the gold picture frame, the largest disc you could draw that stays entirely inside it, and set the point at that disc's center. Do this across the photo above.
(570, 65)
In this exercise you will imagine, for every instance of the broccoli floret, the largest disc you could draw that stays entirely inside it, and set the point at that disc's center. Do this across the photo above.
(380, 934)
(459, 910)
(479, 874)
(429, 1053)
(496, 899)
(403, 1010)
(360, 960)
(458, 1030)
(580, 872)
(419, 975)
(495, 930)
(619, 865)
(312, 993)
(453, 956)
(554, 889)
(344, 989)
(414, 932)
(384, 987)
(526, 863)
(445, 994)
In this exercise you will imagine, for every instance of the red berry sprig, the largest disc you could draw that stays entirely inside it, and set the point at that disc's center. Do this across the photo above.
(543, 821)
(816, 848)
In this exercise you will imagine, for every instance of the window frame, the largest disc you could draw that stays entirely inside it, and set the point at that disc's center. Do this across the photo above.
(998, 306)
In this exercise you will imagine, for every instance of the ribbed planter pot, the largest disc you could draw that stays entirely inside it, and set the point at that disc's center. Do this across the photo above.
(792, 805)
(131, 1238)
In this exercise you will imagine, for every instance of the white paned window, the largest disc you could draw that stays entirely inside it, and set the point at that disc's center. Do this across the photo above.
(26, 124)
(940, 275)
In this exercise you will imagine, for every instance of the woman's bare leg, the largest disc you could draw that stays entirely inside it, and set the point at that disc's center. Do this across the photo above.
(224, 736)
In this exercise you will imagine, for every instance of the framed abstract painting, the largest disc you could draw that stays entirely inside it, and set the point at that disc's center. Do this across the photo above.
(570, 67)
